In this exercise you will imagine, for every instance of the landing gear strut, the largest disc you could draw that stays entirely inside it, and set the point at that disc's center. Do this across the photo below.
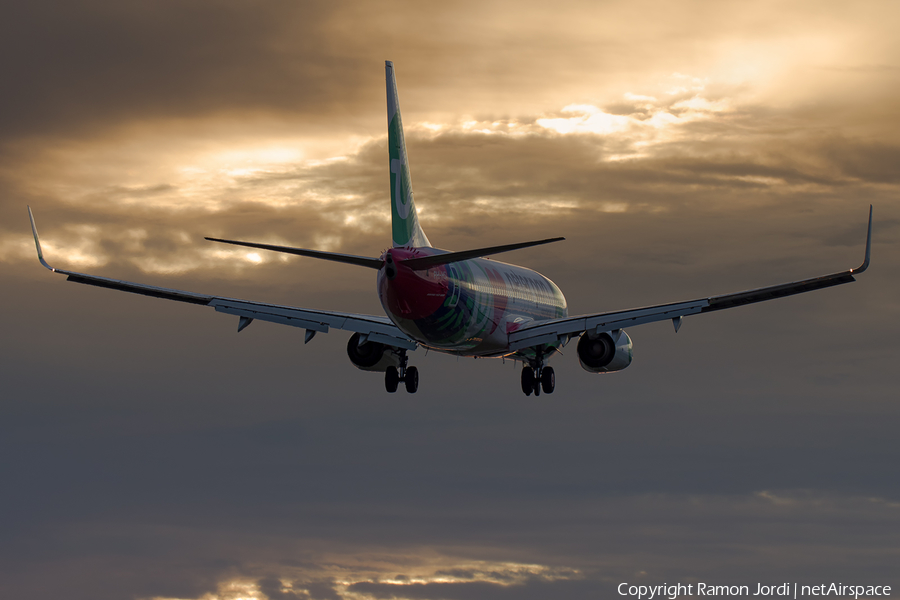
(537, 377)
(408, 375)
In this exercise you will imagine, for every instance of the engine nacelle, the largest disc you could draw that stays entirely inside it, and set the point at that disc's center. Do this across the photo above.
(371, 356)
(604, 353)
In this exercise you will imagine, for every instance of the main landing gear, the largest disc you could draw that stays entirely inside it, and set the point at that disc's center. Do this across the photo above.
(408, 375)
(537, 377)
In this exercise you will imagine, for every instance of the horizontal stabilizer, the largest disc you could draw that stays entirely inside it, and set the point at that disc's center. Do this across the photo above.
(426, 262)
(352, 259)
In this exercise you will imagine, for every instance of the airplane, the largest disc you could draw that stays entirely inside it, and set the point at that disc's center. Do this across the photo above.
(461, 303)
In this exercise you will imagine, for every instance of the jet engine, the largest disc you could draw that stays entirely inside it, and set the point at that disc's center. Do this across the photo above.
(371, 356)
(605, 352)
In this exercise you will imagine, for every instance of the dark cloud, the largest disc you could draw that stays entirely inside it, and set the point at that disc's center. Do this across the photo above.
(81, 68)
(274, 589)
(556, 177)
(90, 64)
(481, 590)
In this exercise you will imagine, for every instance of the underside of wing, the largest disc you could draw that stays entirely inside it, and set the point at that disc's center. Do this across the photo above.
(376, 329)
(545, 332)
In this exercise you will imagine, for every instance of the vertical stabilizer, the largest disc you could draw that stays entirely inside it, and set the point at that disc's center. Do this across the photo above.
(404, 220)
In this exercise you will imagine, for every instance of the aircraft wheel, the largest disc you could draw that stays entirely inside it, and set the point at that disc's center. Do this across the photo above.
(537, 386)
(527, 380)
(391, 379)
(548, 380)
(411, 380)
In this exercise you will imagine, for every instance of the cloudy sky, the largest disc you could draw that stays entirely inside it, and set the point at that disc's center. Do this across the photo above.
(684, 149)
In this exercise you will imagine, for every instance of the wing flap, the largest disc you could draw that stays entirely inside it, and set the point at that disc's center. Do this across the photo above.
(537, 333)
(137, 288)
(379, 329)
(544, 332)
(777, 291)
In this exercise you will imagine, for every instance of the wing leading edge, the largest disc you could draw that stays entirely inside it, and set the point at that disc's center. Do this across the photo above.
(377, 329)
(556, 330)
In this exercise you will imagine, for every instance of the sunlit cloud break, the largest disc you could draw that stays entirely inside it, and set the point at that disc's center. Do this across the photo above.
(348, 583)
(343, 190)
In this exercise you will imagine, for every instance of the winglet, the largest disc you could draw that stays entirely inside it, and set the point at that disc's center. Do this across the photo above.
(37, 241)
(865, 264)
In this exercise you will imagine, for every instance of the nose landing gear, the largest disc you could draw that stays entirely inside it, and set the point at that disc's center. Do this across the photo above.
(408, 375)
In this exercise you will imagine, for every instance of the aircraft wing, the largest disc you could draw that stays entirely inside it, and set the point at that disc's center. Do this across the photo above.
(560, 330)
(375, 329)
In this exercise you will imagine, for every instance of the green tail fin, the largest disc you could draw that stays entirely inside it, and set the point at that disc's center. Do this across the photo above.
(404, 220)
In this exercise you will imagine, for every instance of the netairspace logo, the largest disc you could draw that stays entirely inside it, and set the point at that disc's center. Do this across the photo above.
(784, 590)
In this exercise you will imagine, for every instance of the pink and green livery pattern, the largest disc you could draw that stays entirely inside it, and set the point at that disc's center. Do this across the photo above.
(466, 307)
